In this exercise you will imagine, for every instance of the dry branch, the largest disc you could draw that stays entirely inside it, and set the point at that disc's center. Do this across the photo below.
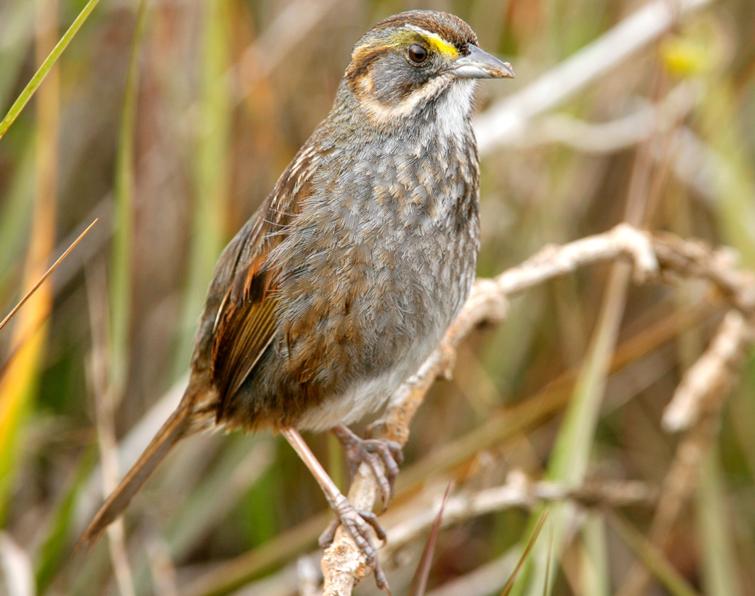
(712, 374)
(105, 403)
(411, 521)
(517, 491)
(696, 408)
(510, 116)
(634, 128)
(662, 257)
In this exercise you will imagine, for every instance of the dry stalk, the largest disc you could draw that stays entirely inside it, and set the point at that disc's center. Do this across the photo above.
(607, 137)
(664, 257)
(517, 491)
(412, 520)
(105, 402)
(711, 376)
(508, 118)
(695, 409)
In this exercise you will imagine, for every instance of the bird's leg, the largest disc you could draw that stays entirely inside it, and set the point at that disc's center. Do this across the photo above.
(356, 523)
(381, 456)
(371, 452)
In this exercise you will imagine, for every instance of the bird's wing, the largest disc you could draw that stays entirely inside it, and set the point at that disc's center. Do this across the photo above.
(247, 318)
(244, 329)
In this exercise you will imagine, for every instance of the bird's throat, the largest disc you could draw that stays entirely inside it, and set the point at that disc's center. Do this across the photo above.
(442, 99)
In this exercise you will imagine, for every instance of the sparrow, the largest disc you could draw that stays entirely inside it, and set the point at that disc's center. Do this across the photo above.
(347, 276)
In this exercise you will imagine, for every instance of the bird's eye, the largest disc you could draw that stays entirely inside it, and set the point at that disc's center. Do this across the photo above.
(417, 53)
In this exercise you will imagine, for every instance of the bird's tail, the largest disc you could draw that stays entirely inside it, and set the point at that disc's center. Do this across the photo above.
(174, 429)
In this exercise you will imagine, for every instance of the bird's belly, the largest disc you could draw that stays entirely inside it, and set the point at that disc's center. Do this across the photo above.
(362, 399)
(373, 281)
(400, 317)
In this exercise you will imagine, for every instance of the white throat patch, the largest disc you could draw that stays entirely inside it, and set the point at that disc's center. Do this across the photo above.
(453, 107)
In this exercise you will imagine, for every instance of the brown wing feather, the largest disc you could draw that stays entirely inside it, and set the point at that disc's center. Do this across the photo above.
(244, 332)
(246, 319)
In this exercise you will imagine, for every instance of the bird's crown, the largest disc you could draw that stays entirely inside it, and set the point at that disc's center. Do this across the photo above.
(445, 32)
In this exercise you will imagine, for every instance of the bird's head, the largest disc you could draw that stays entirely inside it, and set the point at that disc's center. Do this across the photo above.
(412, 59)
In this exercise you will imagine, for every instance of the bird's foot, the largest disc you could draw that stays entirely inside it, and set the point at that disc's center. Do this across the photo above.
(360, 525)
(381, 456)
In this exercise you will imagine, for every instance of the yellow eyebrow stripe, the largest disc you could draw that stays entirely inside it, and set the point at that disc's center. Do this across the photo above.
(439, 44)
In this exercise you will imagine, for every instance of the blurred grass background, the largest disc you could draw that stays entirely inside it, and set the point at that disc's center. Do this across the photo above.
(170, 120)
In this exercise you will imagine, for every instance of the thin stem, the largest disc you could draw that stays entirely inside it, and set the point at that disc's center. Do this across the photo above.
(43, 70)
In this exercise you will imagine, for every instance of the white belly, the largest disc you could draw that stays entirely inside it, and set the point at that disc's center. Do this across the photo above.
(366, 397)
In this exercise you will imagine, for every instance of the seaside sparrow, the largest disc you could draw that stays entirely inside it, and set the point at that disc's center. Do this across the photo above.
(348, 275)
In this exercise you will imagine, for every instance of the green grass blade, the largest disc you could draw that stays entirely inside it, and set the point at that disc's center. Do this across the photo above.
(652, 558)
(211, 183)
(571, 454)
(734, 174)
(547, 586)
(719, 562)
(532, 541)
(51, 554)
(20, 378)
(16, 212)
(44, 68)
(120, 274)
(594, 563)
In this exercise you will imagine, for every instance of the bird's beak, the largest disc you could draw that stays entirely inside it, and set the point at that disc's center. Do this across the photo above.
(478, 64)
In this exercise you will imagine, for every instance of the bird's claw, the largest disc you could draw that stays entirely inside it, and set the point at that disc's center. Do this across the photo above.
(360, 525)
(382, 456)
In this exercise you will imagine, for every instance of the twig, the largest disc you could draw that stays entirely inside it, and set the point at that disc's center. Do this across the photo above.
(664, 256)
(500, 429)
(406, 524)
(418, 585)
(518, 491)
(104, 406)
(695, 408)
(606, 137)
(712, 375)
(46, 274)
(508, 117)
